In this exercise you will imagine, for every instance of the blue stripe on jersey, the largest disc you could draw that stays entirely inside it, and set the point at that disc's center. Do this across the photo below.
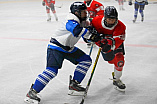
(60, 49)
(74, 27)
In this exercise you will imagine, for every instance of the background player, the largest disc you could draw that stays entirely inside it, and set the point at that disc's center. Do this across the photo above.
(121, 3)
(50, 5)
(139, 4)
(94, 9)
(62, 47)
(110, 27)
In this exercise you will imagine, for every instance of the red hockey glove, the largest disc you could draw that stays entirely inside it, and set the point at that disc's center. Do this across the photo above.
(105, 44)
(101, 42)
(98, 43)
(109, 42)
(106, 48)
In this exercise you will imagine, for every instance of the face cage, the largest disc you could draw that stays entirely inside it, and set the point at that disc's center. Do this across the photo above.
(83, 19)
(110, 25)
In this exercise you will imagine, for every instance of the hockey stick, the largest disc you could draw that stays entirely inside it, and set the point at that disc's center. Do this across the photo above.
(149, 2)
(91, 49)
(89, 81)
(55, 6)
(59, 6)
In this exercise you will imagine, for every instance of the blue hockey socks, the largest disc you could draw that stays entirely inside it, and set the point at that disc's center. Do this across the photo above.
(43, 79)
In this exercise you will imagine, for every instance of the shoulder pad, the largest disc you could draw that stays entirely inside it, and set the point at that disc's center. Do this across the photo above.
(73, 17)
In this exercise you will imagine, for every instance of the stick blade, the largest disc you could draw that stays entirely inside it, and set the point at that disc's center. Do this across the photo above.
(82, 101)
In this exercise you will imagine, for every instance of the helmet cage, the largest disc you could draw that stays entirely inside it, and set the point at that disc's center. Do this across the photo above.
(110, 12)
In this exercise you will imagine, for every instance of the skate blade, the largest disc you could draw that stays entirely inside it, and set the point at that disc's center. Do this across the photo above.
(75, 93)
(122, 90)
(48, 20)
(30, 101)
(133, 21)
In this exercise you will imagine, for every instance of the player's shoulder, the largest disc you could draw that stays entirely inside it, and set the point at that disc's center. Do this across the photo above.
(97, 21)
(96, 3)
(121, 23)
(72, 17)
(98, 18)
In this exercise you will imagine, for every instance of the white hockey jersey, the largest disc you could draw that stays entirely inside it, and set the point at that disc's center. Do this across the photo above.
(68, 35)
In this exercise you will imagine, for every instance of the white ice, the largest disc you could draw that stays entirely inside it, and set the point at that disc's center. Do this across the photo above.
(25, 33)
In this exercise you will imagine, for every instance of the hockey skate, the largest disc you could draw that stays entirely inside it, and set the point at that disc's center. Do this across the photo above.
(118, 84)
(123, 9)
(134, 20)
(32, 97)
(142, 19)
(49, 19)
(56, 18)
(75, 89)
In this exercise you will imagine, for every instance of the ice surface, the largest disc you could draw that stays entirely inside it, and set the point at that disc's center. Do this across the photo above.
(25, 33)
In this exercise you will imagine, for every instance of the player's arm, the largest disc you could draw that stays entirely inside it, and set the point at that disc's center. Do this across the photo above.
(77, 31)
(75, 28)
(119, 35)
(53, 1)
(43, 2)
(114, 42)
(100, 10)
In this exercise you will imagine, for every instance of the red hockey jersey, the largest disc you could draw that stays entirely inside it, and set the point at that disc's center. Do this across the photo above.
(95, 8)
(48, 2)
(117, 32)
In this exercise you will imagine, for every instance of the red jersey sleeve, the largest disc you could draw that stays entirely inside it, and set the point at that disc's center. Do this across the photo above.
(53, 1)
(48, 2)
(95, 9)
(99, 8)
(96, 23)
(119, 34)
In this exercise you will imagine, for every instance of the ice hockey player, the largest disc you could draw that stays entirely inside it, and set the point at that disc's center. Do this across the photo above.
(121, 3)
(94, 9)
(113, 31)
(62, 47)
(139, 5)
(50, 6)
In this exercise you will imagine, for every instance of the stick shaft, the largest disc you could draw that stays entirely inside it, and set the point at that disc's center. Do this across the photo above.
(90, 79)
